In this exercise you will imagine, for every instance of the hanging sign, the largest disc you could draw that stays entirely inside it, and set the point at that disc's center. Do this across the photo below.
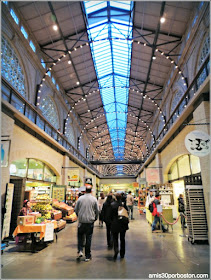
(73, 175)
(152, 176)
(198, 143)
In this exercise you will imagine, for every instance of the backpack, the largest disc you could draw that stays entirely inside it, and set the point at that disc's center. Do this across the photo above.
(151, 207)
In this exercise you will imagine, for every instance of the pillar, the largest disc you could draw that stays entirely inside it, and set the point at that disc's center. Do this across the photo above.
(202, 115)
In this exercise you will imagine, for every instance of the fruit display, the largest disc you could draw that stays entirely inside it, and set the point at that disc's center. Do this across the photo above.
(43, 197)
(43, 208)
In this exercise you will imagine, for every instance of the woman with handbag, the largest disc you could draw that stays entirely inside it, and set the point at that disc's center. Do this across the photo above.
(119, 225)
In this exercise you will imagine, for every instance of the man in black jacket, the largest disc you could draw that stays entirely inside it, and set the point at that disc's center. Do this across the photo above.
(106, 216)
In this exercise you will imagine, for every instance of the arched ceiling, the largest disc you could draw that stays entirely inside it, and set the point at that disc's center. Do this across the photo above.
(112, 60)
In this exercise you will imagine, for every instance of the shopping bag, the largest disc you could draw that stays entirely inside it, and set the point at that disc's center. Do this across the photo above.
(123, 214)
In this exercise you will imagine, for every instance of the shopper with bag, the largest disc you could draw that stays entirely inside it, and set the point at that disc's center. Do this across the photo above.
(119, 225)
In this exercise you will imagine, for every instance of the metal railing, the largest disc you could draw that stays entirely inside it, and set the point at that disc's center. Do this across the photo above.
(200, 77)
(23, 106)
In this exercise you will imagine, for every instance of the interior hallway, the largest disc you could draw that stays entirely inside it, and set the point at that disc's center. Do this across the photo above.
(145, 253)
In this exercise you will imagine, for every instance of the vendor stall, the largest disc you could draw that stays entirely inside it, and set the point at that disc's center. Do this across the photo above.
(167, 213)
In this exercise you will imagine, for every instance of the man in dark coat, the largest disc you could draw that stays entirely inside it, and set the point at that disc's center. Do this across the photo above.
(118, 227)
(106, 216)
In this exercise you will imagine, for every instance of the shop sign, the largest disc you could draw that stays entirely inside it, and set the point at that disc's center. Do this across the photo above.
(142, 181)
(135, 184)
(198, 143)
(73, 175)
(88, 181)
(8, 211)
(152, 176)
(49, 232)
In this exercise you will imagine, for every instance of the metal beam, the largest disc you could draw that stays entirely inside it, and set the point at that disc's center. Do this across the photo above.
(121, 162)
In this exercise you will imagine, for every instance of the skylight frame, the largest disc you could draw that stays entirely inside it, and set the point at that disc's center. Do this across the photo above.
(118, 69)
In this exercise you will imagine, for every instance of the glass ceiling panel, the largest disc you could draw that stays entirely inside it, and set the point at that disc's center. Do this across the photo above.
(111, 50)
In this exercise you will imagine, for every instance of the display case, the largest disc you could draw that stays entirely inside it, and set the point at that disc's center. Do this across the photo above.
(142, 194)
(71, 196)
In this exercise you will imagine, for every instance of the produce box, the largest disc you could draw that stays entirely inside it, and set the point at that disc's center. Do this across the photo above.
(71, 218)
(35, 215)
(57, 216)
(60, 225)
(25, 220)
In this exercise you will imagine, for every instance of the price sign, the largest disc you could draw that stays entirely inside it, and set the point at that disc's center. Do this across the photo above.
(49, 232)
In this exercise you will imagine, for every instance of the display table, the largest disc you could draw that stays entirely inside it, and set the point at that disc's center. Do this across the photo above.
(32, 229)
(167, 213)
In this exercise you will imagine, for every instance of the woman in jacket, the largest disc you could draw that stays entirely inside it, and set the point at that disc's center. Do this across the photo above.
(118, 227)
(101, 200)
(181, 210)
(106, 216)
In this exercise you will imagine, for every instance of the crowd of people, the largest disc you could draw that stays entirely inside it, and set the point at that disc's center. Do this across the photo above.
(88, 209)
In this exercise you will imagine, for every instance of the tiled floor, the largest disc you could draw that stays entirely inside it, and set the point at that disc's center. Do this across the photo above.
(145, 253)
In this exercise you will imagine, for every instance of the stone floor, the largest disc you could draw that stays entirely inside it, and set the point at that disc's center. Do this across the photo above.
(146, 253)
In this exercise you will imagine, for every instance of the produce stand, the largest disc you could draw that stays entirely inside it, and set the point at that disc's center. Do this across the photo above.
(32, 229)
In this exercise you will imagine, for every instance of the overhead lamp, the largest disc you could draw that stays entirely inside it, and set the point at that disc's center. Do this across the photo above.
(55, 27)
(154, 57)
(162, 19)
(69, 62)
(77, 83)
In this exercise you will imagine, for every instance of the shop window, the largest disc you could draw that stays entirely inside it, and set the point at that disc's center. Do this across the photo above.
(184, 166)
(18, 168)
(173, 173)
(49, 111)
(195, 164)
(49, 175)
(11, 69)
(35, 169)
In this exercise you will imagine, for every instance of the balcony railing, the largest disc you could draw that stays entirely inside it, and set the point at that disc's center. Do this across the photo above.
(23, 106)
(200, 77)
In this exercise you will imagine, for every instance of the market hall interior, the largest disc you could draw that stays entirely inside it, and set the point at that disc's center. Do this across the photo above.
(146, 253)
(114, 95)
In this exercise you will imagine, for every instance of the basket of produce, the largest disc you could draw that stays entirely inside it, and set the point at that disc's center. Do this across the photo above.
(71, 218)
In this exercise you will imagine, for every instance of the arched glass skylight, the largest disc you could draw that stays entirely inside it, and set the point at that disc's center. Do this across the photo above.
(49, 111)
(110, 30)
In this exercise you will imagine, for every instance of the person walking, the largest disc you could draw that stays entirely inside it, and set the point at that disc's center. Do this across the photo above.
(118, 227)
(106, 216)
(130, 202)
(156, 214)
(87, 212)
(150, 198)
(101, 200)
(181, 210)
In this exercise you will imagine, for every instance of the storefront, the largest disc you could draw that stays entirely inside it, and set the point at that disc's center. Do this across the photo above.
(185, 165)
(39, 178)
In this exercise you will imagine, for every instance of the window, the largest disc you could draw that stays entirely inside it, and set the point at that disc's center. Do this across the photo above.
(53, 80)
(32, 46)
(49, 111)
(24, 32)
(16, 19)
(35, 169)
(43, 64)
(176, 99)
(57, 87)
(184, 166)
(195, 164)
(18, 168)
(203, 55)
(49, 73)
(5, 2)
(70, 134)
(11, 69)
